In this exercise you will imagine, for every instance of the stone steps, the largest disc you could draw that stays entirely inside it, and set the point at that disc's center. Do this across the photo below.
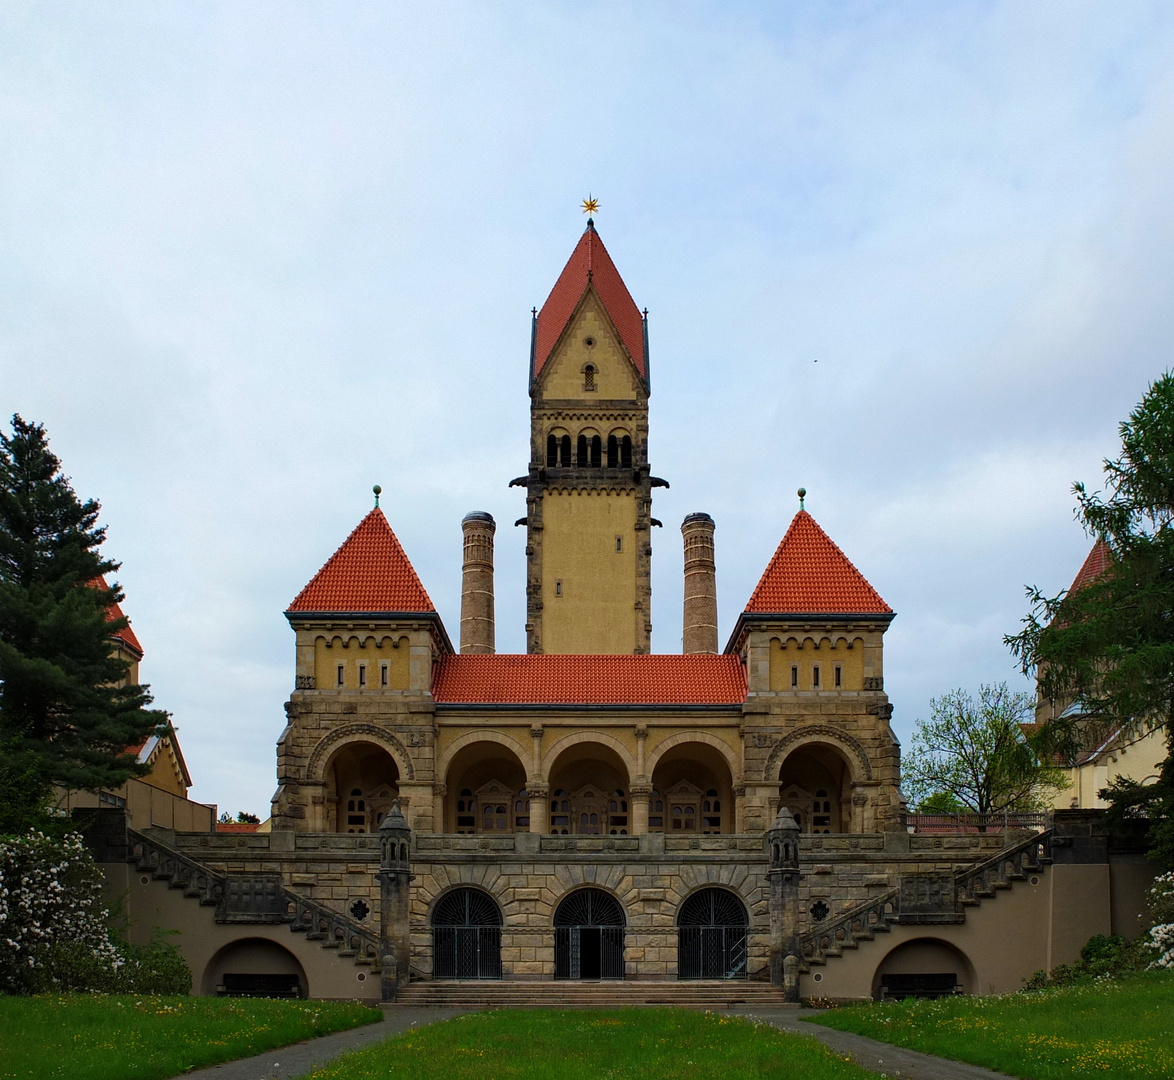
(717, 994)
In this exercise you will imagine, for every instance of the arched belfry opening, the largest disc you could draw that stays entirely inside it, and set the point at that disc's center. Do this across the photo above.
(815, 784)
(362, 781)
(589, 936)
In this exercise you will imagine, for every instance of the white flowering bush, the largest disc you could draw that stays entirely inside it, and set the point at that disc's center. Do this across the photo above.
(1160, 940)
(55, 934)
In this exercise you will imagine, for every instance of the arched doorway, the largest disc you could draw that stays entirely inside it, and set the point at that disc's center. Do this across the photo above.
(923, 968)
(254, 967)
(466, 936)
(589, 936)
(362, 783)
(712, 928)
(692, 791)
(589, 792)
(815, 785)
(486, 786)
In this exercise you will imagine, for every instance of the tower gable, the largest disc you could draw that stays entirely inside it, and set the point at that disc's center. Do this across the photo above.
(589, 362)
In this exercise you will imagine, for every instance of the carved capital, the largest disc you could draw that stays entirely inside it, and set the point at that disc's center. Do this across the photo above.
(538, 791)
(640, 791)
(641, 731)
(535, 731)
(440, 789)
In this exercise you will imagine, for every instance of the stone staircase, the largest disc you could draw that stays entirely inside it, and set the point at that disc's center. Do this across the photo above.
(254, 899)
(879, 914)
(699, 994)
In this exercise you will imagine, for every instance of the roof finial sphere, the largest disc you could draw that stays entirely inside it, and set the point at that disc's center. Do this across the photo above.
(378, 491)
(802, 493)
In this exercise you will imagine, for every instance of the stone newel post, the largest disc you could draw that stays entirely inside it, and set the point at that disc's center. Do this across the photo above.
(395, 875)
(782, 849)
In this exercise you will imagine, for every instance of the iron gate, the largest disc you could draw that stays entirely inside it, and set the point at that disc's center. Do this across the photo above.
(589, 937)
(712, 932)
(466, 936)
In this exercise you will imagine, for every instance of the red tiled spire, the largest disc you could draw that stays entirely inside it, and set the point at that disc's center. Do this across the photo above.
(538, 679)
(369, 573)
(589, 265)
(127, 635)
(809, 575)
(1094, 566)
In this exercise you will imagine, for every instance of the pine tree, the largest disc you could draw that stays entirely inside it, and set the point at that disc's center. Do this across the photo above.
(1110, 644)
(67, 713)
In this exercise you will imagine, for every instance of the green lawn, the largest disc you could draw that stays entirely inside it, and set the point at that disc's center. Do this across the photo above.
(1116, 1031)
(640, 1044)
(99, 1037)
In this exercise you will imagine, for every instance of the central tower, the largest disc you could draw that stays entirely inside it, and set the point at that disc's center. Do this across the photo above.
(588, 489)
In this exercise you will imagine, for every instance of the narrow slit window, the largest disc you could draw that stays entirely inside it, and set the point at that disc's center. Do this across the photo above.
(815, 677)
(794, 675)
(558, 588)
(362, 675)
(383, 674)
(341, 674)
(839, 675)
(619, 544)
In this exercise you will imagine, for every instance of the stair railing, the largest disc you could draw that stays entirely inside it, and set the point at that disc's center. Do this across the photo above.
(861, 920)
(976, 882)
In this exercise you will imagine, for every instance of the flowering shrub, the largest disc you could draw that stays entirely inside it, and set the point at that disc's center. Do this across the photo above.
(53, 929)
(1160, 940)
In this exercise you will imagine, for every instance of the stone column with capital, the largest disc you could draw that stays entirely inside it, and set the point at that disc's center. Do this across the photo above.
(395, 877)
(640, 795)
(539, 808)
(782, 849)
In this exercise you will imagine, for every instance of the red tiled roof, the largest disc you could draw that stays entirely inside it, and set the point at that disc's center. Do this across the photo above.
(590, 680)
(369, 573)
(809, 575)
(1094, 566)
(126, 635)
(589, 264)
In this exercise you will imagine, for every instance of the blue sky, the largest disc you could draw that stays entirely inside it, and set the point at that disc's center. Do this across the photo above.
(256, 258)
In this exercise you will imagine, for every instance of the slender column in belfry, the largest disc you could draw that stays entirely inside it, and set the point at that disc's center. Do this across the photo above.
(477, 635)
(700, 634)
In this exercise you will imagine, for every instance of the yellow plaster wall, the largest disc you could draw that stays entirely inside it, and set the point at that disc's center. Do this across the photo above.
(596, 612)
(350, 650)
(1138, 759)
(562, 375)
(842, 652)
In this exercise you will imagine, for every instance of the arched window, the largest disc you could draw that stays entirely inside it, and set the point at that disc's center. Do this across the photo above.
(564, 456)
(613, 452)
(596, 451)
(589, 936)
(712, 928)
(589, 377)
(466, 936)
(552, 450)
(581, 457)
(466, 812)
(626, 452)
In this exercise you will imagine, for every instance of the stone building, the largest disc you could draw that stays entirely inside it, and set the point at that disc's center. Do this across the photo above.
(591, 810)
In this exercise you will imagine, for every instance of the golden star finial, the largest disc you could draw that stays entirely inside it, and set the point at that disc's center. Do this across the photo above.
(590, 205)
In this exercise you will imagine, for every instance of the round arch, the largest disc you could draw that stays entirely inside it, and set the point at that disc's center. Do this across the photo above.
(254, 967)
(466, 934)
(519, 751)
(733, 761)
(923, 967)
(854, 754)
(551, 756)
(331, 743)
(589, 935)
(485, 786)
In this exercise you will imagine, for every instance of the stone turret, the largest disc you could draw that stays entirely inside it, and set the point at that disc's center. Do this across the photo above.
(395, 874)
(477, 619)
(782, 849)
(700, 628)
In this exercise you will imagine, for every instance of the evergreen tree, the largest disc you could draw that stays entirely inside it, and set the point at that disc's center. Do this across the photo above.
(1109, 645)
(67, 714)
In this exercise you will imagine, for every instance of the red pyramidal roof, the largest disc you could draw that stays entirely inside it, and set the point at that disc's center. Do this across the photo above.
(589, 264)
(369, 573)
(809, 575)
(1094, 566)
(127, 635)
(590, 680)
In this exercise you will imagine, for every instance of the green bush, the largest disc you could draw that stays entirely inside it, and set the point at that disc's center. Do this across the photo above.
(1104, 956)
